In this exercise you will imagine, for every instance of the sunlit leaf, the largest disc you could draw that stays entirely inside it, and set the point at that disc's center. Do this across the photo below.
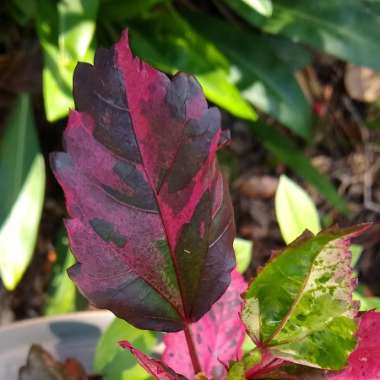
(22, 187)
(65, 31)
(263, 78)
(295, 210)
(168, 42)
(299, 307)
(366, 302)
(356, 252)
(264, 7)
(243, 252)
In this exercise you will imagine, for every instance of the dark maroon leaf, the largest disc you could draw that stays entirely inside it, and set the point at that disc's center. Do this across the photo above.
(218, 336)
(154, 367)
(151, 219)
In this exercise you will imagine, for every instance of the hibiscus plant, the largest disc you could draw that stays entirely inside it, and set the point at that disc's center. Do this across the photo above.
(151, 226)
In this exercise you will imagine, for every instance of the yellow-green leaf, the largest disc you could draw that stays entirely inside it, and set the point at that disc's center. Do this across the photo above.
(295, 211)
(65, 31)
(243, 253)
(114, 362)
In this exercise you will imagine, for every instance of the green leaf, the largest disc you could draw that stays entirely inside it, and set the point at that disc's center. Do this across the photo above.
(263, 78)
(287, 152)
(356, 252)
(249, 360)
(296, 56)
(348, 29)
(66, 32)
(367, 303)
(22, 11)
(243, 253)
(115, 363)
(263, 7)
(22, 186)
(300, 305)
(63, 296)
(116, 10)
(168, 42)
(295, 210)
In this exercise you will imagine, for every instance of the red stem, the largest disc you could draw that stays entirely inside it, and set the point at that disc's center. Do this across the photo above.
(192, 350)
(273, 364)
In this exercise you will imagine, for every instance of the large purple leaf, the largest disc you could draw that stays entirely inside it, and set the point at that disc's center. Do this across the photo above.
(154, 367)
(218, 336)
(364, 363)
(151, 222)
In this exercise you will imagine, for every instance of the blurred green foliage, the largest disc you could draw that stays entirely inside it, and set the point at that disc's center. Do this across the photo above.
(116, 363)
(63, 296)
(22, 187)
(245, 54)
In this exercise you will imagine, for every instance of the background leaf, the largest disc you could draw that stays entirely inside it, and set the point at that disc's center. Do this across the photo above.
(262, 77)
(115, 10)
(168, 42)
(263, 7)
(300, 305)
(295, 210)
(335, 26)
(62, 296)
(115, 363)
(287, 152)
(65, 31)
(367, 303)
(22, 185)
(243, 252)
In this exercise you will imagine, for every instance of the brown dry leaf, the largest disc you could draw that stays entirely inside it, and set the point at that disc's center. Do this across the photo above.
(42, 366)
(258, 187)
(362, 83)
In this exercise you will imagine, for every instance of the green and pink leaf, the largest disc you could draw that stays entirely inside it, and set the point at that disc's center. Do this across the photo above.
(300, 305)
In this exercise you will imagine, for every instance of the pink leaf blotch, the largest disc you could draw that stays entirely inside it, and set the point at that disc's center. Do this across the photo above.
(364, 362)
(151, 221)
(218, 336)
(154, 367)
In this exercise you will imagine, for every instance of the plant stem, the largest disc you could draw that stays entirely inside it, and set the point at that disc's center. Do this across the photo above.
(192, 350)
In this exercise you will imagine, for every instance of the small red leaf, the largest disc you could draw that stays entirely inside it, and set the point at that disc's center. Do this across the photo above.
(218, 336)
(154, 367)
(364, 363)
(151, 218)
